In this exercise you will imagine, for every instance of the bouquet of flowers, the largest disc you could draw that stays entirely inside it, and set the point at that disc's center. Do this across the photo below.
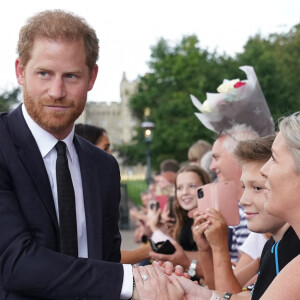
(237, 102)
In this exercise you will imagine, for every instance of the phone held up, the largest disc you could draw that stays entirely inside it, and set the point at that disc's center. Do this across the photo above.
(154, 205)
(222, 196)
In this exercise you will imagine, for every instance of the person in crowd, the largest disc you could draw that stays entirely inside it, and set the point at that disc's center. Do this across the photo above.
(197, 150)
(163, 195)
(168, 169)
(188, 179)
(165, 178)
(162, 188)
(47, 251)
(205, 164)
(227, 168)
(282, 173)
(94, 134)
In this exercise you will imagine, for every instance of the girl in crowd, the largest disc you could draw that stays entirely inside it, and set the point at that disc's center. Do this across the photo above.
(188, 180)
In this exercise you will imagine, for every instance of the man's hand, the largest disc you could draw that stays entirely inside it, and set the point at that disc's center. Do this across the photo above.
(192, 291)
(153, 284)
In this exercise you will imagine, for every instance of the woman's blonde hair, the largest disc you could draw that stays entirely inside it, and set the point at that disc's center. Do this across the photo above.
(290, 130)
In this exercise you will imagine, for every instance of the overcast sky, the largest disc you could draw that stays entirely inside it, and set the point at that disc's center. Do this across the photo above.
(127, 30)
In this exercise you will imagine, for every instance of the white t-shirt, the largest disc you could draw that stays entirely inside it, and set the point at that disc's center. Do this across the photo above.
(254, 244)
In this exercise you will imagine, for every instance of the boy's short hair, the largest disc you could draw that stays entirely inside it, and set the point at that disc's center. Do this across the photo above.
(258, 149)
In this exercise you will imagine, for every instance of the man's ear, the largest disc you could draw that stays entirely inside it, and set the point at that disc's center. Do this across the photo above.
(93, 76)
(20, 71)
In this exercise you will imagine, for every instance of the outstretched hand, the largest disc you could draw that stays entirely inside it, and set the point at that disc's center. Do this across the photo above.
(193, 291)
(168, 269)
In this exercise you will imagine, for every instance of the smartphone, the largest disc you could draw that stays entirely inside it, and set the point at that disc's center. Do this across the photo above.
(162, 200)
(154, 205)
(222, 196)
(165, 247)
(171, 208)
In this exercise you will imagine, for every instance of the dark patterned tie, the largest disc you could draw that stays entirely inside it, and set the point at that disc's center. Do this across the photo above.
(66, 203)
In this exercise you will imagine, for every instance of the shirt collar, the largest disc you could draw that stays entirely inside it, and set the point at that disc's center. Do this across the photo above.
(45, 140)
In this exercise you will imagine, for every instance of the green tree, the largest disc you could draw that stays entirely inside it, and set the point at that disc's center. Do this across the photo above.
(277, 64)
(287, 49)
(9, 99)
(175, 73)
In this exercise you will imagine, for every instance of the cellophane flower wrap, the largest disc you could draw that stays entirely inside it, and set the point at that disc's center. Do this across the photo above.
(237, 102)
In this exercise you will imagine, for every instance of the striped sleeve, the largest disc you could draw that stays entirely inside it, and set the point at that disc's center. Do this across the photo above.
(237, 235)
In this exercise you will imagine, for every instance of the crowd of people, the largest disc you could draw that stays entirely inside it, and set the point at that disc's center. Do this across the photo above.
(60, 191)
(270, 180)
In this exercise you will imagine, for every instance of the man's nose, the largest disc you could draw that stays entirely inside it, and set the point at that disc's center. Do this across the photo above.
(212, 166)
(57, 89)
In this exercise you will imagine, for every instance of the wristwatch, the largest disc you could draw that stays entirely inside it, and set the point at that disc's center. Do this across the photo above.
(192, 268)
(227, 295)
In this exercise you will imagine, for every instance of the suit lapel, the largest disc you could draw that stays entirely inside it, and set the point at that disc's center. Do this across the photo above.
(32, 160)
(92, 201)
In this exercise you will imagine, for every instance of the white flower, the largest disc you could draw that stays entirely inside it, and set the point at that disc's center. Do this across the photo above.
(206, 108)
(227, 86)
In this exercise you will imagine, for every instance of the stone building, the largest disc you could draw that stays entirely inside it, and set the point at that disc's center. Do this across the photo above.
(118, 120)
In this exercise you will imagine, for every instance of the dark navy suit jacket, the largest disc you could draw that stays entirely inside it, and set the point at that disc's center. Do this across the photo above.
(31, 266)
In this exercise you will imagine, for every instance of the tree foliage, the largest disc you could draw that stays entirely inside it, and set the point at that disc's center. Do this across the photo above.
(277, 64)
(175, 73)
(9, 99)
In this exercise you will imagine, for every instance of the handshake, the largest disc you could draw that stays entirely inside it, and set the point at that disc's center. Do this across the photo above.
(161, 281)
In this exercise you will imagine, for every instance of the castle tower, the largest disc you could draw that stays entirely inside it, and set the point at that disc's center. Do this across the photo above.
(127, 89)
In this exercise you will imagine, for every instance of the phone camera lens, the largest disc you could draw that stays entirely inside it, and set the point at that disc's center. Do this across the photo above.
(200, 193)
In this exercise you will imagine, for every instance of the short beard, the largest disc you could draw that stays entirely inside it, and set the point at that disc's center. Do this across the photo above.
(58, 121)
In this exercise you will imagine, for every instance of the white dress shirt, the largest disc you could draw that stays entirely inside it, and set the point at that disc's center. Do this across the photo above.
(46, 143)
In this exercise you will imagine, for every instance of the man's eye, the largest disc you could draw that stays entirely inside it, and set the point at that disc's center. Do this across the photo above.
(43, 74)
(70, 76)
